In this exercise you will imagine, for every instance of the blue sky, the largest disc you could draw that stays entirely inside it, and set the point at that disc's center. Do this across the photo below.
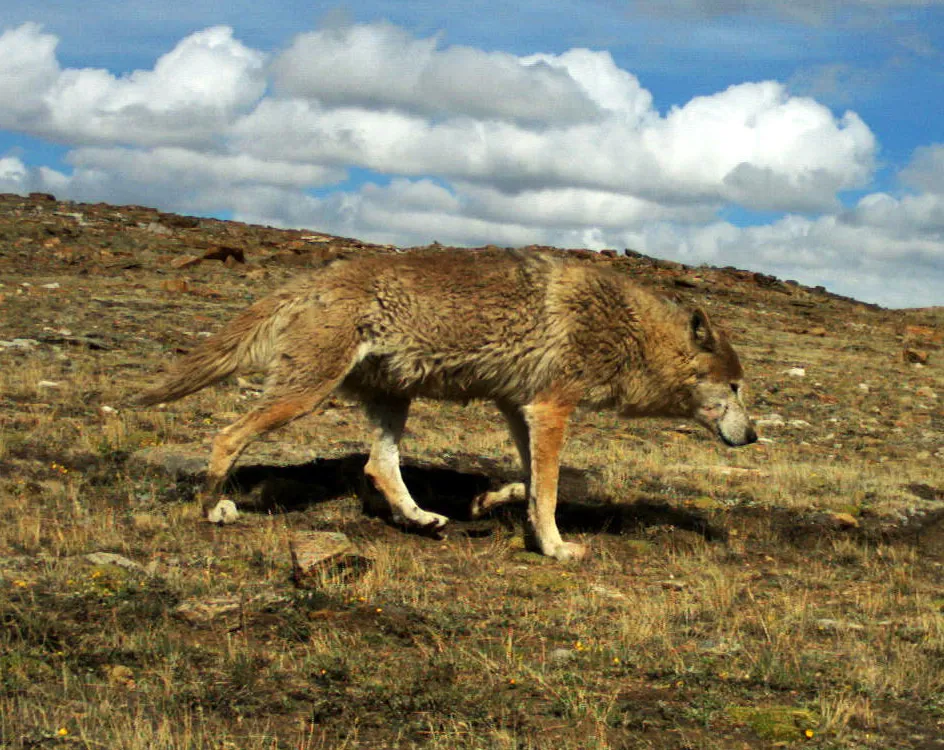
(800, 138)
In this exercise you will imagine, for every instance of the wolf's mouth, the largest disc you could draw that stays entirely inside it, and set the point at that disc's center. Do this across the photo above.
(750, 436)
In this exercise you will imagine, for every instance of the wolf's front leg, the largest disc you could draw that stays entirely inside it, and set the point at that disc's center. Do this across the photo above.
(547, 422)
(383, 467)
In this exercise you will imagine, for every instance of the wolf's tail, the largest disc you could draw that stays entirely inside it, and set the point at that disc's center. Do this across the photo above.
(246, 342)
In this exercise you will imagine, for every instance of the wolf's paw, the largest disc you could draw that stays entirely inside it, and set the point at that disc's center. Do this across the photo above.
(223, 512)
(421, 519)
(429, 521)
(565, 551)
(509, 493)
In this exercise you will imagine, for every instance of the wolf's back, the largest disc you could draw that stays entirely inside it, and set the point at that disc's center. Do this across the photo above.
(246, 342)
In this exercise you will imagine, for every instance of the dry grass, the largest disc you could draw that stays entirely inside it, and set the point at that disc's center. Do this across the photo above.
(785, 594)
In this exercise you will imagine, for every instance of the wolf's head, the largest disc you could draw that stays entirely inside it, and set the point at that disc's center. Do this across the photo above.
(716, 398)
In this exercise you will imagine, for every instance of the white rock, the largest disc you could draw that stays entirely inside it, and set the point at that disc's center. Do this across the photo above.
(796, 372)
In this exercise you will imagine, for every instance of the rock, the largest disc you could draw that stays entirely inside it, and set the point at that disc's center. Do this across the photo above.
(110, 558)
(19, 344)
(770, 420)
(157, 228)
(843, 520)
(185, 261)
(562, 656)
(796, 372)
(175, 285)
(317, 553)
(915, 356)
(607, 592)
(178, 463)
(120, 676)
(231, 608)
(226, 253)
(828, 625)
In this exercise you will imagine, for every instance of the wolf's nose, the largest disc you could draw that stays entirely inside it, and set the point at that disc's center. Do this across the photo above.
(750, 436)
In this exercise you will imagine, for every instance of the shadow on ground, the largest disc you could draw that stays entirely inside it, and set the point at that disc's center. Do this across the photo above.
(450, 490)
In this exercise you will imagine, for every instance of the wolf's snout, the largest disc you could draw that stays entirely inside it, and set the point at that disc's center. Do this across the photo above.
(735, 427)
(746, 438)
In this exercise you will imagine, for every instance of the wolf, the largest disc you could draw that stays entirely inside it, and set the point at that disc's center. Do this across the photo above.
(536, 333)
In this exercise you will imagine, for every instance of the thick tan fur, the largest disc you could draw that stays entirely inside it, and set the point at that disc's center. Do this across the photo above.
(536, 334)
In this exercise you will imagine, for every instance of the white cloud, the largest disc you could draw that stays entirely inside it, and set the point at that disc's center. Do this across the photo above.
(28, 68)
(190, 96)
(477, 147)
(926, 169)
(13, 175)
(752, 144)
(380, 65)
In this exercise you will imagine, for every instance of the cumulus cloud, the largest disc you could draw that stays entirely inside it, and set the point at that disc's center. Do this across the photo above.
(752, 144)
(470, 147)
(926, 169)
(13, 175)
(192, 93)
(380, 65)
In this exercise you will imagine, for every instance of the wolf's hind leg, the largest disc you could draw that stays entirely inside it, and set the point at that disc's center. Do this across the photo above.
(291, 393)
(513, 491)
(232, 441)
(383, 466)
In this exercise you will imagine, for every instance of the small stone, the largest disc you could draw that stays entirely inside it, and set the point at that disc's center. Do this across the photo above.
(157, 228)
(796, 372)
(110, 558)
(315, 553)
(562, 656)
(915, 356)
(828, 625)
(175, 285)
(19, 344)
(184, 261)
(844, 520)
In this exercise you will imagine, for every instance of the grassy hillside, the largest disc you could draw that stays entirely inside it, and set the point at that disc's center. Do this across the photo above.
(788, 593)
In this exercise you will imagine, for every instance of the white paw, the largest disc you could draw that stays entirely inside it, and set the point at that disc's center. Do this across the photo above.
(223, 512)
(421, 519)
(565, 551)
(487, 500)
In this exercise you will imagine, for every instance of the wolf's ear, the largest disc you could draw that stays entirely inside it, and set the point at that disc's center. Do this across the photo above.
(702, 333)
